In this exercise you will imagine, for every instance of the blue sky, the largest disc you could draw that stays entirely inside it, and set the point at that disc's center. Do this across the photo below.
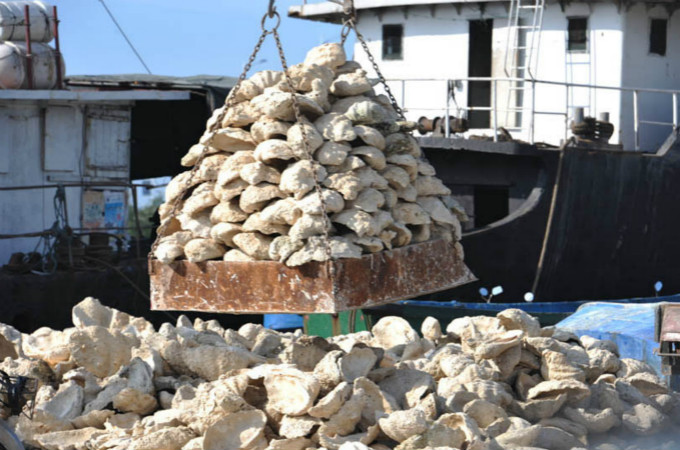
(179, 37)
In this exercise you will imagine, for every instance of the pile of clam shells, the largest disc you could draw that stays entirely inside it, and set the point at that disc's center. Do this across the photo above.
(114, 382)
(345, 179)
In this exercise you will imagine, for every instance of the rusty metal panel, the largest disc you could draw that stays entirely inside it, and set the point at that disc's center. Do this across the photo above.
(272, 287)
(670, 324)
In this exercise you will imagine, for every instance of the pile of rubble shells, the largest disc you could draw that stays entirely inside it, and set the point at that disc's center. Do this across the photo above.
(254, 196)
(114, 383)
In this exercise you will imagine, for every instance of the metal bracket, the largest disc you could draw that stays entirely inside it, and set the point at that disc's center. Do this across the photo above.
(347, 5)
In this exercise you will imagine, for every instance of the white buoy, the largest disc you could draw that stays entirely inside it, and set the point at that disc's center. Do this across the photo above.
(12, 19)
(13, 66)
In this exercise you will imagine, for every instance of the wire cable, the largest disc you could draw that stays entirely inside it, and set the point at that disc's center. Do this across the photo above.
(139, 290)
(129, 281)
(108, 11)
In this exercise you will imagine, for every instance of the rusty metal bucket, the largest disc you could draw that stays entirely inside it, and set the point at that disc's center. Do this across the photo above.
(272, 287)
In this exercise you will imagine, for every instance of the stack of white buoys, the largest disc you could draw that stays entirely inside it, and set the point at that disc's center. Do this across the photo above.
(269, 179)
(13, 50)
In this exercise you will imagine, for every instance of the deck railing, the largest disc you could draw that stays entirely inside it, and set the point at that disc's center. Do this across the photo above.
(524, 105)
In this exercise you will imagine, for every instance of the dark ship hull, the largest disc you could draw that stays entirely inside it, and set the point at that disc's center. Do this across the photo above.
(614, 226)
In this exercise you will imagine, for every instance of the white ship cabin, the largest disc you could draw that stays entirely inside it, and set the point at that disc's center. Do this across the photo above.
(526, 66)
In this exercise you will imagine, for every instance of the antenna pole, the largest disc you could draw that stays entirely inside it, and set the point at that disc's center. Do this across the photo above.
(29, 52)
(60, 81)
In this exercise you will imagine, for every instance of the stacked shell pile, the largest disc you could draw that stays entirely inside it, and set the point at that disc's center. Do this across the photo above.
(112, 382)
(270, 181)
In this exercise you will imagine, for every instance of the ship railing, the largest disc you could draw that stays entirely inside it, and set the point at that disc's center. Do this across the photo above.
(526, 107)
(137, 228)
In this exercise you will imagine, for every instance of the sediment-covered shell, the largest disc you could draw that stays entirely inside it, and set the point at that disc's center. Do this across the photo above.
(291, 391)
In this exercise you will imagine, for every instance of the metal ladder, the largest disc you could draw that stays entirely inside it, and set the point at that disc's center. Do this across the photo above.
(525, 20)
(521, 55)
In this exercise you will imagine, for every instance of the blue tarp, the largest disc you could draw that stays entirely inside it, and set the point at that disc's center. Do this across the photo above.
(631, 326)
(282, 321)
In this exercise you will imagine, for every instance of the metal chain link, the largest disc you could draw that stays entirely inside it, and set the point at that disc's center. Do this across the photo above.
(347, 26)
(382, 79)
(393, 101)
(214, 127)
(305, 146)
(351, 24)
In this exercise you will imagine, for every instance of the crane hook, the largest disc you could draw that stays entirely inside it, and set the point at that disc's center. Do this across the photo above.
(272, 9)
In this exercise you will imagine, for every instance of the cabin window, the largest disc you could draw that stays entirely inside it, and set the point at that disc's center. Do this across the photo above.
(577, 34)
(491, 203)
(393, 36)
(657, 36)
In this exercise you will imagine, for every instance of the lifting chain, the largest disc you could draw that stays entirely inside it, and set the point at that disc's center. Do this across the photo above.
(272, 10)
(350, 23)
(305, 145)
(215, 126)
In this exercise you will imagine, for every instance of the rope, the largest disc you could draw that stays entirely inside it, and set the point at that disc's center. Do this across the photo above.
(551, 215)
(122, 275)
(49, 239)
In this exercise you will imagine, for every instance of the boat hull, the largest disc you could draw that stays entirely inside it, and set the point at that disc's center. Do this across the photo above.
(613, 232)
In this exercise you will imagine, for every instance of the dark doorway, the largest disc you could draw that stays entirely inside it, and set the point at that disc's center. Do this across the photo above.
(491, 204)
(479, 65)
